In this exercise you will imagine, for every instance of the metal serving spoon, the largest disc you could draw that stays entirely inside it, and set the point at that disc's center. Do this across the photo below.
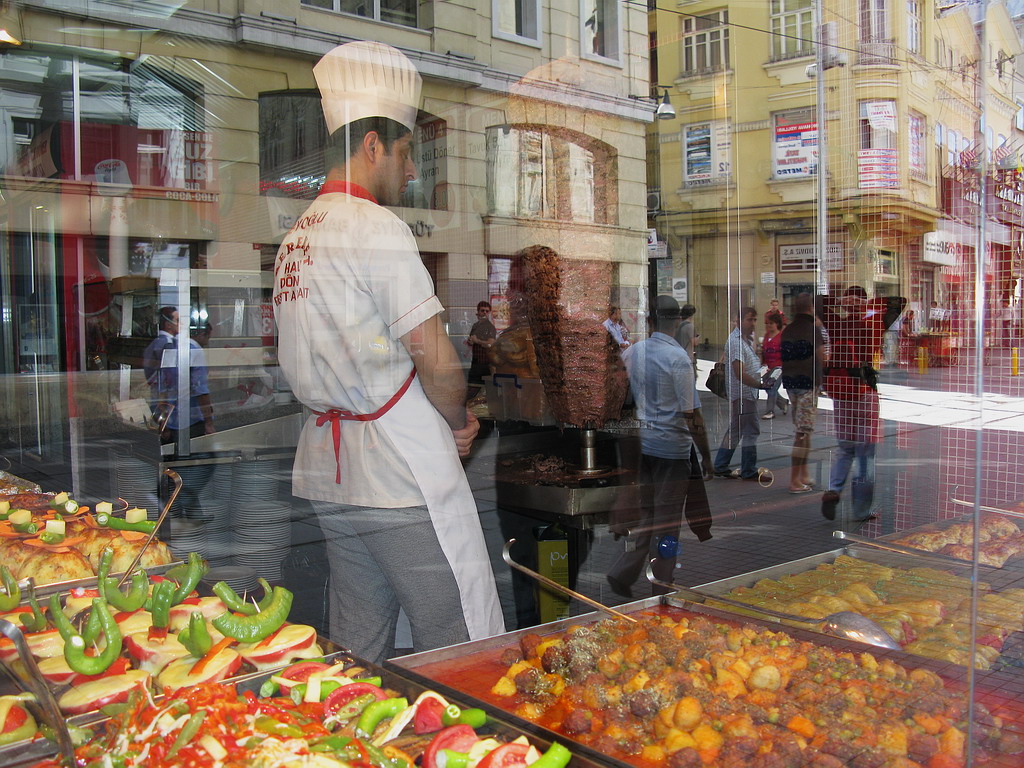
(507, 557)
(845, 624)
(176, 480)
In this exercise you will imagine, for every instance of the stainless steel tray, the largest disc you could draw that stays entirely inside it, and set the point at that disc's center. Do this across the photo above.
(28, 753)
(991, 687)
(45, 590)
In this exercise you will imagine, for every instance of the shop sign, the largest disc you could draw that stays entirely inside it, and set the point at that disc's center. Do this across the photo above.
(803, 257)
(878, 168)
(940, 248)
(795, 150)
(188, 160)
(706, 149)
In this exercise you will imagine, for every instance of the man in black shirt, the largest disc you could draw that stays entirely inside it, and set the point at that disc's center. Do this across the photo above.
(802, 361)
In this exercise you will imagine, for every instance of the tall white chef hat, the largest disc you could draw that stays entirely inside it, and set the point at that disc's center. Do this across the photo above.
(367, 79)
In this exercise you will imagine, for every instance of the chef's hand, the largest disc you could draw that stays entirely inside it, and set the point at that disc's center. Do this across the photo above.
(464, 437)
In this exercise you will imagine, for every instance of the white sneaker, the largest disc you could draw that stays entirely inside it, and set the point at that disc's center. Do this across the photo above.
(768, 415)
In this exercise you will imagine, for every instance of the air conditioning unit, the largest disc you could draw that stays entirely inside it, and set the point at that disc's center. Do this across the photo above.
(654, 201)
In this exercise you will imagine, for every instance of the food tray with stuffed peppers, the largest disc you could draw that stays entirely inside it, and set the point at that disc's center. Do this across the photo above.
(924, 604)
(95, 645)
(688, 686)
(337, 712)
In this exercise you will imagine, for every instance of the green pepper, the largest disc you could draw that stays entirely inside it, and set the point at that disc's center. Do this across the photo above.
(350, 709)
(452, 759)
(188, 730)
(133, 600)
(371, 680)
(107, 520)
(196, 637)
(378, 758)
(556, 756)
(267, 690)
(232, 600)
(74, 648)
(11, 595)
(195, 571)
(35, 621)
(67, 630)
(332, 743)
(24, 731)
(377, 711)
(106, 558)
(252, 629)
(31, 527)
(267, 724)
(160, 603)
(298, 691)
(51, 538)
(474, 718)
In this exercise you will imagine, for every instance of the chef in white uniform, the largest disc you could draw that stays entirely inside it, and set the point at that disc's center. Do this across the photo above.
(363, 347)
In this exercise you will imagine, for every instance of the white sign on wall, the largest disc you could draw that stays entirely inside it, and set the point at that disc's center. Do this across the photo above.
(803, 257)
(706, 153)
(795, 150)
(940, 248)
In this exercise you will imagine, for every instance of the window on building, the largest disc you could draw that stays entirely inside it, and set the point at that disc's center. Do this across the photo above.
(792, 26)
(916, 126)
(516, 20)
(395, 11)
(914, 26)
(706, 154)
(600, 28)
(706, 42)
(556, 176)
(293, 137)
(874, 20)
(794, 144)
(878, 124)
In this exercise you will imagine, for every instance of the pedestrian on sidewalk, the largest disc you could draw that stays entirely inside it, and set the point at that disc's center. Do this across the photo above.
(743, 382)
(851, 381)
(662, 381)
(771, 355)
(802, 349)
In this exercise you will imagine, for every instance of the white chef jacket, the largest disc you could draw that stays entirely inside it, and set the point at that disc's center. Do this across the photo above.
(348, 283)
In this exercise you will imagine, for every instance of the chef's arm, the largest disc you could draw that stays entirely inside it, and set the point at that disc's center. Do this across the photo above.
(439, 369)
(739, 373)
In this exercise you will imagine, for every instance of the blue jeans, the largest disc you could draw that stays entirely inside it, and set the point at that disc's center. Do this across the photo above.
(863, 485)
(743, 429)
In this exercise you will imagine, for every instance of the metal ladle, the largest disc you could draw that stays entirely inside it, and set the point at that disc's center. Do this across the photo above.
(175, 478)
(844, 624)
(551, 584)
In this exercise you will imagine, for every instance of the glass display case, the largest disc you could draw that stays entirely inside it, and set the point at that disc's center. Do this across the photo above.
(847, 178)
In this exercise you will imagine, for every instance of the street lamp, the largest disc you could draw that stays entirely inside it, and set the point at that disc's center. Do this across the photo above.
(665, 109)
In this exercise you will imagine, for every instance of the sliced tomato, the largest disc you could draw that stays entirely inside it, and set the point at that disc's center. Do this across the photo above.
(339, 697)
(16, 717)
(506, 756)
(428, 716)
(457, 738)
(299, 673)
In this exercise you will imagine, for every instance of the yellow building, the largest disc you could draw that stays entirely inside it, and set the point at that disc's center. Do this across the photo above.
(736, 170)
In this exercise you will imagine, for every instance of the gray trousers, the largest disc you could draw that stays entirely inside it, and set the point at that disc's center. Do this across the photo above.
(380, 560)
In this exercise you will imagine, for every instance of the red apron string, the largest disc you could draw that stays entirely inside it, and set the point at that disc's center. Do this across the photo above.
(336, 416)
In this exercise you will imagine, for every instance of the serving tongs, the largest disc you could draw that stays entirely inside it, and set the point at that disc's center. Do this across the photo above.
(554, 585)
(845, 624)
(34, 683)
(176, 480)
(994, 510)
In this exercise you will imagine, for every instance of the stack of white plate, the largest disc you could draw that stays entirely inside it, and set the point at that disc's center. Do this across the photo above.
(217, 532)
(262, 536)
(239, 578)
(255, 480)
(221, 482)
(186, 536)
(135, 481)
